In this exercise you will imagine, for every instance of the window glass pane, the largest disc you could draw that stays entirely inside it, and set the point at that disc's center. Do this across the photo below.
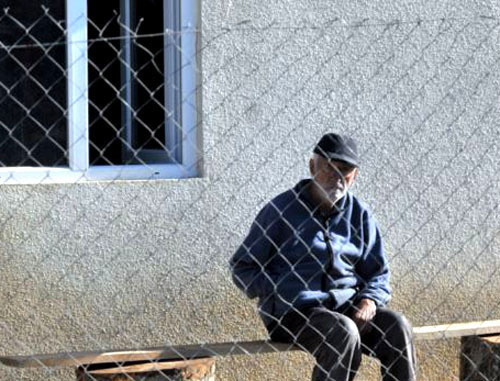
(33, 125)
(127, 82)
(149, 82)
(105, 103)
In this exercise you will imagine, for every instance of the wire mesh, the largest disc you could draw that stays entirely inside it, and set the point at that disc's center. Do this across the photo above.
(117, 263)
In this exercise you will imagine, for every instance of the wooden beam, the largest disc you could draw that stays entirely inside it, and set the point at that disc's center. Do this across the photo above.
(179, 352)
(194, 351)
(446, 331)
(154, 366)
(479, 359)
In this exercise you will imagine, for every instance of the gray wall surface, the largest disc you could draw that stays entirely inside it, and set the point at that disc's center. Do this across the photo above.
(144, 263)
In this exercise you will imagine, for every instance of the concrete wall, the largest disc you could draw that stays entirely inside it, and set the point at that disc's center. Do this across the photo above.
(130, 264)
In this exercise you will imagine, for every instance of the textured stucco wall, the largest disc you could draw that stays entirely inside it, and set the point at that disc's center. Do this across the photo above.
(128, 264)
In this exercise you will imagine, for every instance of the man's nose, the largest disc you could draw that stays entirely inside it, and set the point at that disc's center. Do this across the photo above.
(335, 173)
(338, 176)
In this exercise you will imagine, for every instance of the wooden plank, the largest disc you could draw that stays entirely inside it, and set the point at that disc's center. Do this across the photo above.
(479, 358)
(495, 340)
(186, 352)
(199, 369)
(181, 352)
(153, 366)
(446, 331)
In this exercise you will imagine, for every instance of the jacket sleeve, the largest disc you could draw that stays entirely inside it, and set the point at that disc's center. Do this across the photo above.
(374, 268)
(248, 264)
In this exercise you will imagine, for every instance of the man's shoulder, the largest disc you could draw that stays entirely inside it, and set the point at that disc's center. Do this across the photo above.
(359, 206)
(283, 200)
(288, 200)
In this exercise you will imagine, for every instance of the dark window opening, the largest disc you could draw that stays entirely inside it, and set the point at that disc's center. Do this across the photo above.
(130, 121)
(33, 86)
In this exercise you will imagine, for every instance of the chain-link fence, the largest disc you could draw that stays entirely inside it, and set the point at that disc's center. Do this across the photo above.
(141, 143)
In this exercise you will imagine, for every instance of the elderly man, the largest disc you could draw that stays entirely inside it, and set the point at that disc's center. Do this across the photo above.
(314, 258)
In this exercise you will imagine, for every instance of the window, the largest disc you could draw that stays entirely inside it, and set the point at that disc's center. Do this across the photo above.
(109, 93)
(32, 86)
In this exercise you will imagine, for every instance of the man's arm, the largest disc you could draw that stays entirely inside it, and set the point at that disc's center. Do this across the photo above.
(248, 264)
(374, 270)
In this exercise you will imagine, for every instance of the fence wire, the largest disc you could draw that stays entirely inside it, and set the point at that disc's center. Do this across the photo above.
(95, 260)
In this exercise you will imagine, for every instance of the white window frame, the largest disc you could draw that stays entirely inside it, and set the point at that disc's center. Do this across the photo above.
(78, 112)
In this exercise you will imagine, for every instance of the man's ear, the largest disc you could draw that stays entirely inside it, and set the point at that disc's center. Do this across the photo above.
(354, 177)
(312, 168)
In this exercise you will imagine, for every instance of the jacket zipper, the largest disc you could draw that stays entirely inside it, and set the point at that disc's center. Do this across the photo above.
(330, 257)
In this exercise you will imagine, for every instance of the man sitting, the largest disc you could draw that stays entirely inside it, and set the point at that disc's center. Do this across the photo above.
(314, 257)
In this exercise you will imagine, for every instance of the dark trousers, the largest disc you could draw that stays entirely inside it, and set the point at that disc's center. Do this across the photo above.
(334, 340)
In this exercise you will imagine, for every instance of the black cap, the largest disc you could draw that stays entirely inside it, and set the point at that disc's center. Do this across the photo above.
(337, 147)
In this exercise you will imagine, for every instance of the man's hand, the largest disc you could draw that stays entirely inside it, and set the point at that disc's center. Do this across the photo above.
(364, 313)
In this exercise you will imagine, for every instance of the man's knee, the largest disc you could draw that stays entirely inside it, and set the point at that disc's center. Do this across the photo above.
(339, 340)
(349, 326)
(393, 328)
(335, 326)
(398, 321)
(347, 329)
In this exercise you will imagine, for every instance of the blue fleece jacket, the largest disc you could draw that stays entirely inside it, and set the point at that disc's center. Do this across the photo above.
(294, 257)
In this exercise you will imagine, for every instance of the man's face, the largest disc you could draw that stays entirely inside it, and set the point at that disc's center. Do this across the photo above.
(333, 177)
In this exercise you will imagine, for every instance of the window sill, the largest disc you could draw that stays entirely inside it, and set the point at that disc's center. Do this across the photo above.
(36, 175)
